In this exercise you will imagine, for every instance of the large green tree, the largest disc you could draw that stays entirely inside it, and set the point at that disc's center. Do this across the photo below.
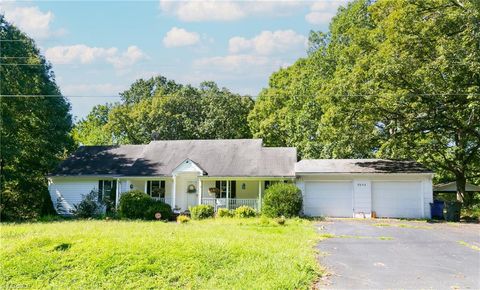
(391, 78)
(35, 125)
(161, 109)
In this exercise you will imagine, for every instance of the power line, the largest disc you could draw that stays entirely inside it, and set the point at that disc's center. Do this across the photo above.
(353, 95)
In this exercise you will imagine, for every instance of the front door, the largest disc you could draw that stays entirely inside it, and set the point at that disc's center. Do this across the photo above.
(191, 192)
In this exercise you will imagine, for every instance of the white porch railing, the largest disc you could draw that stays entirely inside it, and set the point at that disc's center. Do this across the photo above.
(164, 199)
(233, 203)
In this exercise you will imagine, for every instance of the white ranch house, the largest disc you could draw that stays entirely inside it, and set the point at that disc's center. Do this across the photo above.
(231, 173)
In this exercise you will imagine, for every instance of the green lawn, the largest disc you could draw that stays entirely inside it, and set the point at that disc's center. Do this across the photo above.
(222, 253)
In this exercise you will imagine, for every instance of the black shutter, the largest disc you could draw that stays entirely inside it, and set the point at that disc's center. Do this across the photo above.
(100, 190)
(217, 185)
(113, 192)
(162, 188)
(267, 184)
(233, 189)
(148, 187)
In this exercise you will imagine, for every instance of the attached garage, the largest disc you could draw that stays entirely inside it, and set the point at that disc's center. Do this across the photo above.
(322, 198)
(359, 187)
(397, 199)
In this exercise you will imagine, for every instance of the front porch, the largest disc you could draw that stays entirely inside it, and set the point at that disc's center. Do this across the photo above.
(183, 191)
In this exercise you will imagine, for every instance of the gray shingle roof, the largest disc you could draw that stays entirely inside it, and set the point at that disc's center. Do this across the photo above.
(358, 166)
(236, 157)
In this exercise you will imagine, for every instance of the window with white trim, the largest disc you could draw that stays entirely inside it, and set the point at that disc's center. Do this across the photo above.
(156, 188)
(107, 190)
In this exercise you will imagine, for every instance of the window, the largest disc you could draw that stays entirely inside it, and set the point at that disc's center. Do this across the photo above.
(107, 190)
(156, 188)
(222, 186)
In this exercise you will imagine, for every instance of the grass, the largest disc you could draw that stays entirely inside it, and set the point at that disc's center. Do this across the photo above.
(473, 247)
(211, 254)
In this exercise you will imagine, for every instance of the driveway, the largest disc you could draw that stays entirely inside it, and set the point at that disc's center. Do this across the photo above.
(396, 254)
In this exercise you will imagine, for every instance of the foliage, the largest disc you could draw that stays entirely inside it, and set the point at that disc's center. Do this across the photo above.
(157, 206)
(34, 130)
(201, 211)
(282, 199)
(281, 220)
(89, 207)
(223, 212)
(390, 79)
(245, 212)
(134, 204)
(211, 254)
(92, 130)
(182, 219)
(160, 109)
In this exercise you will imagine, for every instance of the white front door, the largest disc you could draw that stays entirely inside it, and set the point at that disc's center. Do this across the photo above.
(186, 194)
(192, 192)
(334, 199)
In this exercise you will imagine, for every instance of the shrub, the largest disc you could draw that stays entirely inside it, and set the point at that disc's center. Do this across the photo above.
(245, 212)
(182, 219)
(281, 220)
(89, 206)
(223, 212)
(282, 199)
(138, 205)
(201, 212)
(134, 204)
(157, 206)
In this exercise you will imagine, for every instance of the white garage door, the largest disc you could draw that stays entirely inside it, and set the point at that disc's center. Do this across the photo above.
(397, 199)
(328, 199)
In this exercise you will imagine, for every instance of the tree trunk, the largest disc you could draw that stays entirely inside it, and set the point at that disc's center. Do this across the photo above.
(461, 184)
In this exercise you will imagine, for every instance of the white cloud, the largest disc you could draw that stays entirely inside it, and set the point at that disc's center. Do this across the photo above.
(226, 10)
(30, 19)
(132, 55)
(84, 54)
(180, 37)
(232, 61)
(268, 42)
(321, 12)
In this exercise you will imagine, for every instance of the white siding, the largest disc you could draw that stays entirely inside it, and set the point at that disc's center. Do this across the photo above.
(362, 198)
(427, 188)
(70, 191)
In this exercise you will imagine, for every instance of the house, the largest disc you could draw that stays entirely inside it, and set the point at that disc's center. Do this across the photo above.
(232, 173)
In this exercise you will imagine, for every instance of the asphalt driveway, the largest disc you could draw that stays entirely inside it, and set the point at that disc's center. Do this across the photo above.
(395, 254)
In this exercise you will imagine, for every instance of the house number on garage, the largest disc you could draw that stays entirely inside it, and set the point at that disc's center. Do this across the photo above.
(361, 184)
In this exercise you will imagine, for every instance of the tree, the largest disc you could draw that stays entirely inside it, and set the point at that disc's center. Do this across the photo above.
(92, 130)
(168, 112)
(34, 129)
(418, 80)
(392, 79)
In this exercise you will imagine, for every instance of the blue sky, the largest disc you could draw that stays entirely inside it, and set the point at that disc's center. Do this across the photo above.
(98, 48)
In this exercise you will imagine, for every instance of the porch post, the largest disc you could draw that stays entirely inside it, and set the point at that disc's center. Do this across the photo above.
(228, 194)
(259, 195)
(174, 191)
(199, 191)
(146, 182)
(117, 193)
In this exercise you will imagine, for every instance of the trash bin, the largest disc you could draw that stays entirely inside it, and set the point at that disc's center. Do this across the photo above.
(452, 213)
(436, 209)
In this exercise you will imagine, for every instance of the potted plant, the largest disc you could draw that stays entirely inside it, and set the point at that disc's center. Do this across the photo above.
(213, 190)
